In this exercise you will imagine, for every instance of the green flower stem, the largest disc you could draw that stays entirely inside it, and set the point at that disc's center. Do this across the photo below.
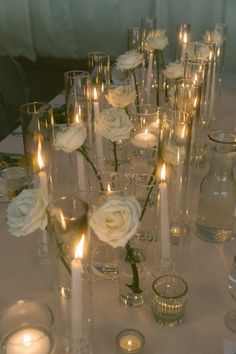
(115, 155)
(82, 150)
(62, 256)
(164, 66)
(158, 77)
(149, 193)
(135, 283)
(136, 88)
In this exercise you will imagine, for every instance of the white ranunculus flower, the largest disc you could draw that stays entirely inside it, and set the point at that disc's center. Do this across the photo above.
(201, 52)
(113, 124)
(173, 154)
(174, 71)
(121, 96)
(70, 138)
(27, 212)
(156, 40)
(117, 220)
(129, 60)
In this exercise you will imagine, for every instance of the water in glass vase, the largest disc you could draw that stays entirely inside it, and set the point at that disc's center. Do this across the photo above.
(215, 217)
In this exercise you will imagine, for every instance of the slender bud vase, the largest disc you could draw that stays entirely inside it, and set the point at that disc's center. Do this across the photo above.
(218, 190)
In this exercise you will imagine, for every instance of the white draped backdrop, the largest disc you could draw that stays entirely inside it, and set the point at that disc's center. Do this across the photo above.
(72, 28)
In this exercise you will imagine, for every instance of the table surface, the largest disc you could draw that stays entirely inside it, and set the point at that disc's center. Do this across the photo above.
(204, 266)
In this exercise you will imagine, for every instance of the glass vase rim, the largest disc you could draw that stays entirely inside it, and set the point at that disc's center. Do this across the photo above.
(151, 184)
(98, 54)
(222, 131)
(76, 73)
(172, 297)
(156, 109)
(54, 202)
(43, 306)
(189, 81)
(44, 106)
(185, 25)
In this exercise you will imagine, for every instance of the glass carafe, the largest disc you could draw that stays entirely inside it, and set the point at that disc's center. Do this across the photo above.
(217, 202)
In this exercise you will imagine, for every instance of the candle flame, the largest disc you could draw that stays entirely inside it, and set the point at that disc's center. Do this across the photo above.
(129, 342)
(26, 339)
(146, 131)
(185, 38)
(39, 156)
(178, 155)
(63, 222)
(95, 95)
(109, 188)
(79, 248)
(183, 131)
(163, 172)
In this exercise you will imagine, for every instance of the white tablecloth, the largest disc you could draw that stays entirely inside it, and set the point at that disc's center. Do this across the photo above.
(204, 266)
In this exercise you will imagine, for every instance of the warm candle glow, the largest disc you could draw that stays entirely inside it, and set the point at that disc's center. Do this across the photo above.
(109, 188)
(39, 156)
(185, 38)
(183, 132)
(163, 172)
(26, 340)
(63, 222)
(95, 95)
(79, 248)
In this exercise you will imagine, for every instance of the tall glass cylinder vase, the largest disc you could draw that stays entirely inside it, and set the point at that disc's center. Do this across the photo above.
(197, 72)
(144, 137)
(174, 152)
(99, 69)
(217, 35)
(37, 128)
(105, 258)
(183, 37)
(77, 98)
(68, 229)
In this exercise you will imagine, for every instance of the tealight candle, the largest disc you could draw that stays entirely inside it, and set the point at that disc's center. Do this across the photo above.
(144, 139)
(28, 341)
(130, 340)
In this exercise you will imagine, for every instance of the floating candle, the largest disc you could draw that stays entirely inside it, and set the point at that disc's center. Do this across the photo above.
(144, 139)
(28, 341)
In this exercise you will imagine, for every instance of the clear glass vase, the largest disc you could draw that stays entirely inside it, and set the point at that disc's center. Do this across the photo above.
(217, 202)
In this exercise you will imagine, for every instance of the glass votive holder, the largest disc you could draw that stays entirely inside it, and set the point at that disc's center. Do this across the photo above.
(169, 299)
(26, 327)
(13, 180)
(130, 340)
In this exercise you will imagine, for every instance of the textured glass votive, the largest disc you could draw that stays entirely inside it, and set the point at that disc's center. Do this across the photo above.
(25, 327)
(130, 341)
(169, 299)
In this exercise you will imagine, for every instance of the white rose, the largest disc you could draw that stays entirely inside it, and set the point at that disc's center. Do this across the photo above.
(121, 96)
(156, 40)
(117, 220)
(173, 154)
(70, 138)
(27, 212)
(129, 60)
(174, 71)
(114, 124)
